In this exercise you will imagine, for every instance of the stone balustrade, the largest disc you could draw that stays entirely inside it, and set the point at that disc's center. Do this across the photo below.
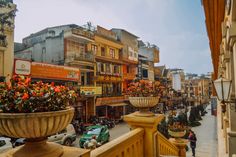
(142, 141)
(128, 145)
(164, 146)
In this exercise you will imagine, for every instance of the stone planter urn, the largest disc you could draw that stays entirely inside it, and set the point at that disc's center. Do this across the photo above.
(143, 104)
(177, 134)
(35, 127)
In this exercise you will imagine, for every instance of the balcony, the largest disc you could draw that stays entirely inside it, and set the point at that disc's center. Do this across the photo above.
(129, 60)
(87, 57)
(79, 35)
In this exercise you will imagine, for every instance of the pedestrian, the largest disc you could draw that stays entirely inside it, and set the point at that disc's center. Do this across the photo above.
(193, 139)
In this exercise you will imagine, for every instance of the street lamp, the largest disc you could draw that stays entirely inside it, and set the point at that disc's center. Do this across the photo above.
(223, 87)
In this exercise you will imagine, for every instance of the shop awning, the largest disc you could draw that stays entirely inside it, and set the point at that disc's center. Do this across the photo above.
(118, 104)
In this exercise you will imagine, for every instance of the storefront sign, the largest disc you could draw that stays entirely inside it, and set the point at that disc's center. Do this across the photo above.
(42, 70)
(22, 67)
(90, 90)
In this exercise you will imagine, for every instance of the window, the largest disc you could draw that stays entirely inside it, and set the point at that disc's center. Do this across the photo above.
(95, 131)
(108, 68)
(103, 53)
(43, 55)
(94, 48)
(116, 69)
(112, 53)
(145, 73)
(52, 33)
(98, 67)
(102, 67)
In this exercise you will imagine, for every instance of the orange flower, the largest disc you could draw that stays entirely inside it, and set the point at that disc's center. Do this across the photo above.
(27, 80)
(25, 96)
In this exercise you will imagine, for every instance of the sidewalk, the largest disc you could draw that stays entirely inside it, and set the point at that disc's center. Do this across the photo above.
(206, 136)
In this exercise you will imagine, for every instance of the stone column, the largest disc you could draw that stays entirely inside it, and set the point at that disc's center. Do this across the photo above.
(149, 124)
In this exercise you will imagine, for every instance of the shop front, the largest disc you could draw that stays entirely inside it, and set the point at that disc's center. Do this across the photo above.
(111, 85)
(87, 101)
(112, 107)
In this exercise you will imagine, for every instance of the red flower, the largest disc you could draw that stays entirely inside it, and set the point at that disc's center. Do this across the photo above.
(57, 89)
(52, 84)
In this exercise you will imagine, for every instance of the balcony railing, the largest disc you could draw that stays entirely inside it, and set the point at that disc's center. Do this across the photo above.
(87, 56)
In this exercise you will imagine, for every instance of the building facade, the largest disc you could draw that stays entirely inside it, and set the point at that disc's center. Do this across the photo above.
(129, 55)
(7, 11)
(64, 45)
(148, 55)
(109, 73)
(221, 27)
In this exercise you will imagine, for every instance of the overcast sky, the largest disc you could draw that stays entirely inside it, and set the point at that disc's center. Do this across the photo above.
(177, 27)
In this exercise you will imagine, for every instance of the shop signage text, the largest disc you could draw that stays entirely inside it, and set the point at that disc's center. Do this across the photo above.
(86, 90)
(41, 70)
(22, 67)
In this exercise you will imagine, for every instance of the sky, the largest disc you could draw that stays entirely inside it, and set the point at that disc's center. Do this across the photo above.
(177, 27)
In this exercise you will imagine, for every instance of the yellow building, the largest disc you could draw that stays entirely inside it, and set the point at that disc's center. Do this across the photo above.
(108, 71)
(7, 40)
(221, 29)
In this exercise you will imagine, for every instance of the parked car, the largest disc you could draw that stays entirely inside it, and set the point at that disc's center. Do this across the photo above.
(65, 137)
(100, 131)
(5, 144)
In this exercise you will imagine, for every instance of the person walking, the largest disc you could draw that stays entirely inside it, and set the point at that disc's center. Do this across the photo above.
(193, 140)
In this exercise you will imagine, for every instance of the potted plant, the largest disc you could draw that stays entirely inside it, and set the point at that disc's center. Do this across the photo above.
(177, 130)
(34, 111)
(144, 94)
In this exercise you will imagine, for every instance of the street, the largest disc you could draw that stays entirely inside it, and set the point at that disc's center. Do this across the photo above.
(206, 136)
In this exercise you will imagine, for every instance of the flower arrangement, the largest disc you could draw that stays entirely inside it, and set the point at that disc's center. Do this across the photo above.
(20, 95)
(144, 88)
